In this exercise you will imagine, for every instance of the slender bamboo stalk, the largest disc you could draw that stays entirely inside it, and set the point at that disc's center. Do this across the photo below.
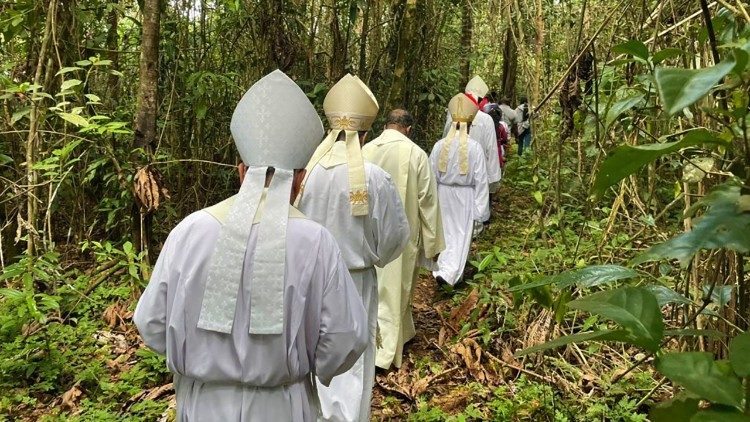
(32, 140)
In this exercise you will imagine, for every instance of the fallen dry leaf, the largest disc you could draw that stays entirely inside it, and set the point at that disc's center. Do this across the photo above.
(458, 315)
(70, 397)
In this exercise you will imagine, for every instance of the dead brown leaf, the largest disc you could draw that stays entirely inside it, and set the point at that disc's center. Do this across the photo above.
(441, 337)
(453, 401)
(458, 315)
(110, 315)
(70, 397)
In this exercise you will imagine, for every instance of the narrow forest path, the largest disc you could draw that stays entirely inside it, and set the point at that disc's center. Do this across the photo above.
(443, 360)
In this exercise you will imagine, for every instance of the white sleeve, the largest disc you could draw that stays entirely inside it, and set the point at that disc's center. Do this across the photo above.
(389, 217)
(343, 331)
(481, 191)
(490, 151)
(150, 314)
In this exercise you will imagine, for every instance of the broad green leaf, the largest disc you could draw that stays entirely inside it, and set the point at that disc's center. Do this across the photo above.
(720, 295)
(699, 374)
(679, 88)
(720, 415)
(485, 262)
(66, 149)
(20, 114)
(696, 169)
(74, 118)
(627, 159)
(621, 107)
(664, 295)
(674, 410)
(5, 159)
(65, 70)
(723, 225)
(633, 308)
(584, 277)
(542, 296)
(70, 83)
(666, 54)
(538, 196)
(603, 335)
(93, 98)
(634, 48)
(739, 354)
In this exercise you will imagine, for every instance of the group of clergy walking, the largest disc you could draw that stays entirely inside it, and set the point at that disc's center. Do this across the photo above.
(277, 303)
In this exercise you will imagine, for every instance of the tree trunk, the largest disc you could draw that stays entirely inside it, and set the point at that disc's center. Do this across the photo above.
(510, 66)
(145, 117)
(363, 39)
(32, 140)
(113, 55)
(338, 50)
(396, 96)
(538, 53)
(467, 24)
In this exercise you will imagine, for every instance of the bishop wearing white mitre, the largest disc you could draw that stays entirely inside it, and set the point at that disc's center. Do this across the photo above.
(359, 204)
(463, 192)
(482, 131)
(249, 297)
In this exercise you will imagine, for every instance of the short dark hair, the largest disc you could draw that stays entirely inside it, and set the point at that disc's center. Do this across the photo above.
(399, 117)
(523, 100)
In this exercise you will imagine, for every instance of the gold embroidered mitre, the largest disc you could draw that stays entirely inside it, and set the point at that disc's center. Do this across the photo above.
(350, 105)
(477, 86)
(462, 109)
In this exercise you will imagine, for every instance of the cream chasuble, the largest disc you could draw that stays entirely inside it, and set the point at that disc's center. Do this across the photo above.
(409, 167)
(366, 241)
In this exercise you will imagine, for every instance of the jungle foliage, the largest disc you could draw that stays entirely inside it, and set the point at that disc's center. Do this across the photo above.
(611, 285)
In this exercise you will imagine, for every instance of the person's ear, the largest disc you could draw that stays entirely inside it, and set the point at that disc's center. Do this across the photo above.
(408, 130)
(242, 170)
(299, 177)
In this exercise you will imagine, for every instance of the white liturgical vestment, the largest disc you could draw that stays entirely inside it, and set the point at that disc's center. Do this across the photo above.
(483, 132)
(409, 168)
(366, 241)
(464, 199)
(252, 377)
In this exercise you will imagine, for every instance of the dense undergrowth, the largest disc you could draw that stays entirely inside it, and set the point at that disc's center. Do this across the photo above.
(70, 351)
(484, 324)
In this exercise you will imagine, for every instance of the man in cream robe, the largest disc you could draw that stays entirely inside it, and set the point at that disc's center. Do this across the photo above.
(460, 167)
(359, 204)
(410, 170)
(482, 131)
(249, 297)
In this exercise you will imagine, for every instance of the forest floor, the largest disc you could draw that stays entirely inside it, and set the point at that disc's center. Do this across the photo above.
(461, 365)
(444, 366)
(90, 364)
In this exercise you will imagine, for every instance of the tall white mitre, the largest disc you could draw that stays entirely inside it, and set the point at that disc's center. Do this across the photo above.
(350, 106)
(462, 110)
(274, 125)
(477, 86)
